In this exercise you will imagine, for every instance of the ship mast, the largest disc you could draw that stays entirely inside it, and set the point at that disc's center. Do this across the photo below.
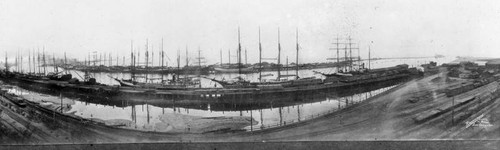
(162, 55)
(178, 61)
(152, 56)
(338, 59)
(369, 58)
(187, 58)
(21, 62)
(359, 58)
(54, 62)
(103, 60)
(29, 62)
(350, 54)
(187, 65)
(199, 64)
(15, 62)
(34, 65)
(65, 63)
(38, 59)
(286, 65)
(239, 52)
(297, 56)
(18, 61)
(33, 61)
(110, 59)
(94, 54)
(132, 60)
(100, 59)
(160, 60)
(199, 57)
(138, 60)
(21, 55)
(260, 58)
(44, 62)
(88, 61)
(279, 55)
(345, 58)
(147, 58)
(6, 64)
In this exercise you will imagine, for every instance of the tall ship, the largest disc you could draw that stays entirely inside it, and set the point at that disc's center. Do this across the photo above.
(189, 87)
(177, 82)
(238, 67)
(234, 68)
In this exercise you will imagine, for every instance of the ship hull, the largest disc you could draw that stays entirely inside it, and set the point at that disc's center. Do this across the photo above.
(140, 94)
(233, 70)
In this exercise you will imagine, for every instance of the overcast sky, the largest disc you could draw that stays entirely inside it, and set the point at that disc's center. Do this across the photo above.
(391, 28)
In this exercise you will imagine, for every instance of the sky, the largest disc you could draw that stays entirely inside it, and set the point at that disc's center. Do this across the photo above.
(401, 28)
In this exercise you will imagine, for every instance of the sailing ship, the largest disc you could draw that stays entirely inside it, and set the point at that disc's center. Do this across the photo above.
(188, 87)
(56, 75)
(280, 82)
(175, 83)
(349, 74)
(234, 68)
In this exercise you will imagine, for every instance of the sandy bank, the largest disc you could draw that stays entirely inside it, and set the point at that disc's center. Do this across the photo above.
(179, 123)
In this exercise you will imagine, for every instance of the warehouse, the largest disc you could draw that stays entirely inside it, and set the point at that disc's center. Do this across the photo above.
(493, 64)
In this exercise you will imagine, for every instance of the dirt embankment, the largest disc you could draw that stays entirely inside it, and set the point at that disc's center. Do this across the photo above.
(179, 123)
(50, 102)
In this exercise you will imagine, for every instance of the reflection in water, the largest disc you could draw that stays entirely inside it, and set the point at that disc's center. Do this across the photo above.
(268, 113)
(147, 115)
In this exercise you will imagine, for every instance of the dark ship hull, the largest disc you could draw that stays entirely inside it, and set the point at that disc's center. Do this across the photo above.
(195, 94)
